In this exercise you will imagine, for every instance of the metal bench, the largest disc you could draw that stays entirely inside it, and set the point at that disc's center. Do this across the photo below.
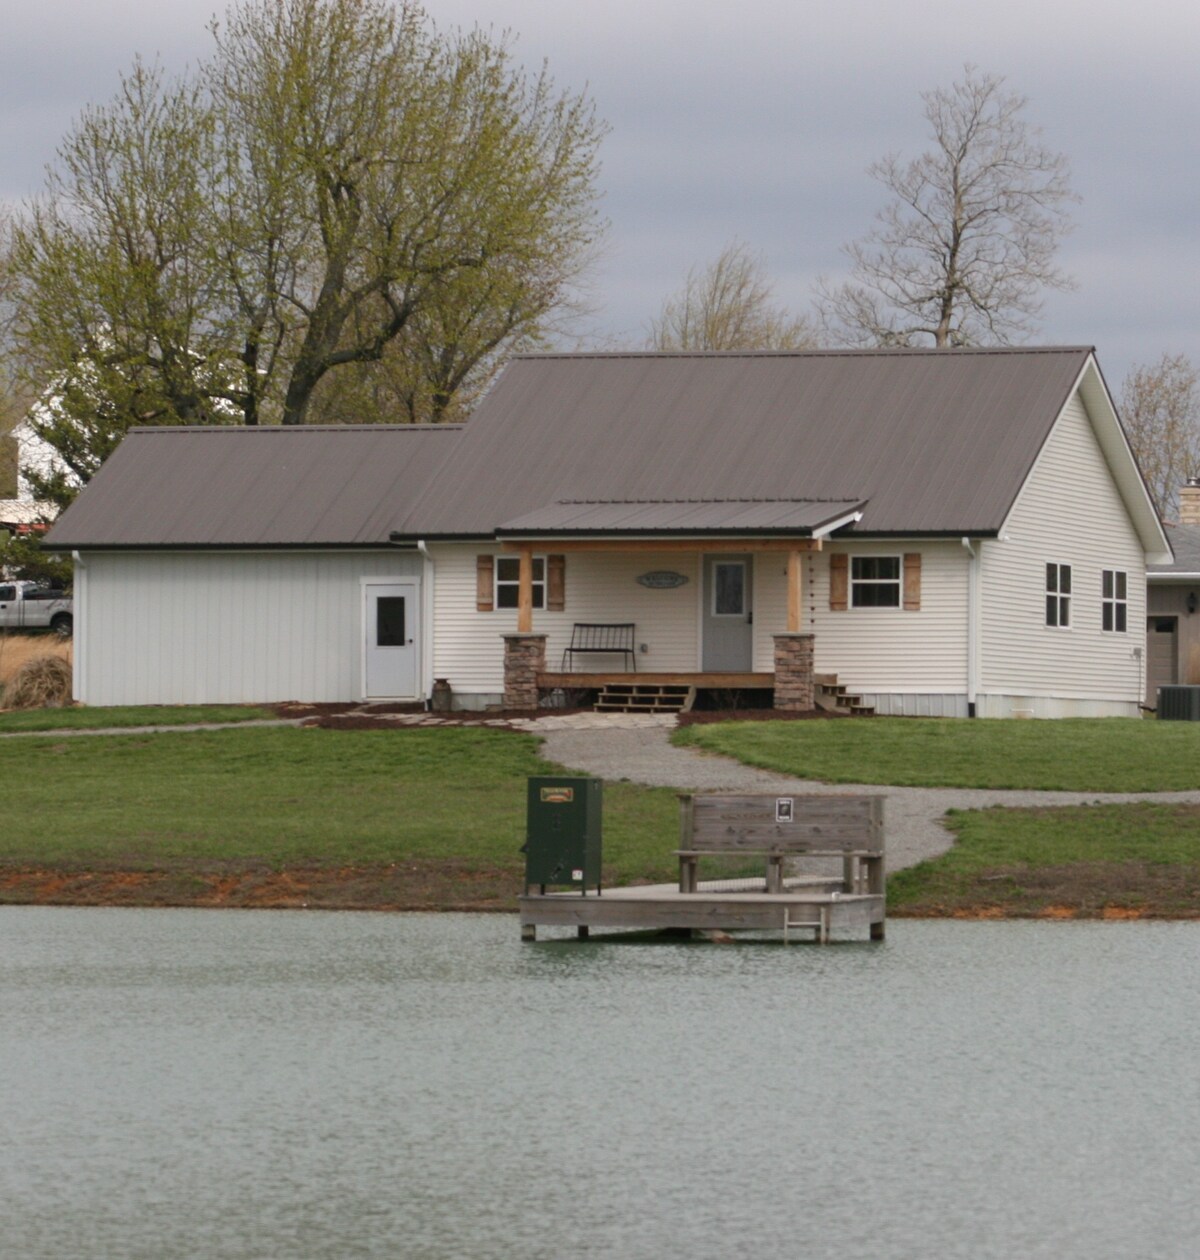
(588, 637)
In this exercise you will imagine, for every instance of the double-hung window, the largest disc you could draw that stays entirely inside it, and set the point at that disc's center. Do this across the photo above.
(874, 581)
(508, 581)
(1058, 595)
(1114, 607)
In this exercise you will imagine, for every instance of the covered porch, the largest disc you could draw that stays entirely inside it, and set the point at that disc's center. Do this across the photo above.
(725, 607)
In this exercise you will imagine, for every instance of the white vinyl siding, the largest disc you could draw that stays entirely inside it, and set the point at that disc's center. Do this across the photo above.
(226, 627)
(1069, 512)
(874, 649)
(600, 586)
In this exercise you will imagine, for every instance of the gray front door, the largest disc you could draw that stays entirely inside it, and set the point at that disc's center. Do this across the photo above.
(391, 621)
(728, 644)
(1162, 655)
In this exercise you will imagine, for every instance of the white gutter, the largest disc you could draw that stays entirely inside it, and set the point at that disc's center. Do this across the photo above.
(428, 577)
(78, 657)
(973, 619)
(851, 518)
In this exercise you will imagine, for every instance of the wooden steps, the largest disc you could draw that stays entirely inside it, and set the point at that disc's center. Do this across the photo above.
(832, 696)
(645, 698)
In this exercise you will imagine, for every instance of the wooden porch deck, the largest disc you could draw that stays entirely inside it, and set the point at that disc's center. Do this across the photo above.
(594, 681)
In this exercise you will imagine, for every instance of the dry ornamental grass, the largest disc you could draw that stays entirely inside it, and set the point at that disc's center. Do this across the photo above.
(35, 671)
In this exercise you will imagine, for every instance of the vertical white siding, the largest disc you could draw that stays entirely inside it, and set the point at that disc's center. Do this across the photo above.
(225, 627)
(469, 650)
(1069, 512)
(875, 649)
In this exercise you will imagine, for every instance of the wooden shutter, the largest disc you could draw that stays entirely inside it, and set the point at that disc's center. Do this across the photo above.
(485, 589)
(912, 581)
(839, 581)
(556, 583)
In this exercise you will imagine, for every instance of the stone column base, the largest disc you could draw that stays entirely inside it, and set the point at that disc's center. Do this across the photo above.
(524, 660)
(794, 672)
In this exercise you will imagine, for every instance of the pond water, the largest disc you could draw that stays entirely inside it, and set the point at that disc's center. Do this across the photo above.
(180, 1083)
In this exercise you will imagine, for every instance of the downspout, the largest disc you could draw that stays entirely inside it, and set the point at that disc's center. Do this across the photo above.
(427, 581)
(79, 659)
(972, 626)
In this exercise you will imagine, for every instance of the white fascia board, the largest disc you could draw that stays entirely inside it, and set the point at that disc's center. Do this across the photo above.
(851, 518)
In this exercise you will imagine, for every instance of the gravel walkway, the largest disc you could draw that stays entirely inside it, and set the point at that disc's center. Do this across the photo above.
(642, 753)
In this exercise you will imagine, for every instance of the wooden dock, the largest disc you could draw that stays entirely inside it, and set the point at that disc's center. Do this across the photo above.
(777, 830)
(659, 907)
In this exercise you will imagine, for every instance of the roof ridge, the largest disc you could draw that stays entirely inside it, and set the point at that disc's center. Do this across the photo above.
(876, 352)
(297, 428)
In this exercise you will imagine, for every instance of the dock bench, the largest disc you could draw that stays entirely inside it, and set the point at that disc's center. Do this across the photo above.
(611, 638)
(777, 828)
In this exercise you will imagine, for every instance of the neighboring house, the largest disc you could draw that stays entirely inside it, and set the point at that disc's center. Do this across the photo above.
(1173, 603)
(948, 532)
(33, 455)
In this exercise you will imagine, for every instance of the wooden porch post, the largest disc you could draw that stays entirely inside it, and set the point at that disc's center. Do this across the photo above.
(525, 590)
(795, 588)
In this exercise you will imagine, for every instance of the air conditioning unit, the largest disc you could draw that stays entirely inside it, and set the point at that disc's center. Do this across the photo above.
(1179, 704)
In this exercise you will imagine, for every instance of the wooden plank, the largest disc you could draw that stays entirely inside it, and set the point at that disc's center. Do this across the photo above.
(556, 583)
(693, 545)
(839, 581)
(912, 581)
(831, 824)
(795, 591)
(525, 592)
(484, 583)
(594, 681)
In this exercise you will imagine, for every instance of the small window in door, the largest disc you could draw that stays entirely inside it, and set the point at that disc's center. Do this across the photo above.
(729, 589)
(389, 621)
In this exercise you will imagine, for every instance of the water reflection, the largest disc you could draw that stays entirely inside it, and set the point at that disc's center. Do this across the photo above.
(242, 1084)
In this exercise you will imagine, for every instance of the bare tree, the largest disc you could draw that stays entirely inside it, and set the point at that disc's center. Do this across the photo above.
(728, 306)
(961, 253)
(1160, 406)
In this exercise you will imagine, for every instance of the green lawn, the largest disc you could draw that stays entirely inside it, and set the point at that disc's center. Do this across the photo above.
(281, 797)
(1092, 859)
(84, 718)
(1096, 755)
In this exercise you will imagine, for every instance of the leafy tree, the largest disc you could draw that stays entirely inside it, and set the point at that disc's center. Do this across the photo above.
(337, 179)
(728, 306)
(1160, 407)
(962, 251)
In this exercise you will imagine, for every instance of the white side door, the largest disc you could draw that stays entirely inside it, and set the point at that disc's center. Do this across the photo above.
(391, 640)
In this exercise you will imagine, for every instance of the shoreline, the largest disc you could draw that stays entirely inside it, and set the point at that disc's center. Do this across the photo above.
(431, 887)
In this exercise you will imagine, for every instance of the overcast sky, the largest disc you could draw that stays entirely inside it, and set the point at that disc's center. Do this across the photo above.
(756, 120)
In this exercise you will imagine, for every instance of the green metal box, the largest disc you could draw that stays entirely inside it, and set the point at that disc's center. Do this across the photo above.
(562, 837)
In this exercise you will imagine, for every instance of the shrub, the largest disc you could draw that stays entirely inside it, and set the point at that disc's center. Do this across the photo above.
(41, 683)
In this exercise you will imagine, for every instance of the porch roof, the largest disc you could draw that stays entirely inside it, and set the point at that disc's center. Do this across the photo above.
(802, 517)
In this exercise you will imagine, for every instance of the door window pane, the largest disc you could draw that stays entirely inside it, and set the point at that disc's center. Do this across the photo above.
(729, 589)
(389, 621)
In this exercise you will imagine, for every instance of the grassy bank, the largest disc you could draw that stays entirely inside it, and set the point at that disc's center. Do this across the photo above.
(85, 719)
(1099, 861)
(419, 818)
(1107, 755)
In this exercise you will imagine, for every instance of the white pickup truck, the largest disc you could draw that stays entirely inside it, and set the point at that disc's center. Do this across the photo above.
(31, 606)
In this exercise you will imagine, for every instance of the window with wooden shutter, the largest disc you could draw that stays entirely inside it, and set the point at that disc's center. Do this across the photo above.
(912, 581)
(556, 583)
(839, 582)
(484, 597)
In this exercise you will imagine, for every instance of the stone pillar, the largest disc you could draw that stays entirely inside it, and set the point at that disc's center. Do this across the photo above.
(794, 671)
(524, 660)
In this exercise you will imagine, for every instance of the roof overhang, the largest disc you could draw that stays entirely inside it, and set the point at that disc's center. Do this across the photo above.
(584, 518)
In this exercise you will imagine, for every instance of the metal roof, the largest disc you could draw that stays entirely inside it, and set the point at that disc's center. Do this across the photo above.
(934, 442)
(938, 441)
(309, 485)
(685, 516)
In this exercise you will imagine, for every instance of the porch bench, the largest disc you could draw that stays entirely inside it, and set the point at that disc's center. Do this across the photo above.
(779, 827)
(613, 638)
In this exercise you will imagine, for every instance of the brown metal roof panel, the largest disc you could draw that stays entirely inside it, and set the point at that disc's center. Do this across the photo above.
(304, 486)
(939, 441)
(682, 516)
